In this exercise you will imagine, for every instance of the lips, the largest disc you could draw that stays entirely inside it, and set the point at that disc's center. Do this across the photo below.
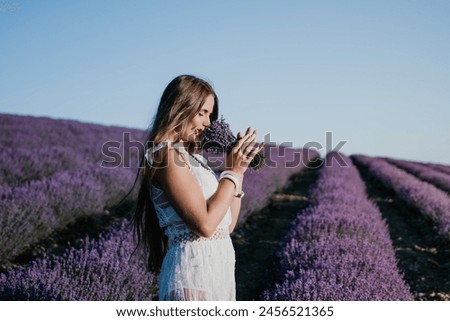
(198, 132)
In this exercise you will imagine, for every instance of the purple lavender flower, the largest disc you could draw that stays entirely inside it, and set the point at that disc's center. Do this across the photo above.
(219, 137)
(98, 270)
(425, 197)
(424, 172)
(338, 248)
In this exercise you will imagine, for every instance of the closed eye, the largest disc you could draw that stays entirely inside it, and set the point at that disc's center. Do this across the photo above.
(203, 112)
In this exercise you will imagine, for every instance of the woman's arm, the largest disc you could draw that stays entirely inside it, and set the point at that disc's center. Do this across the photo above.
(185, 195)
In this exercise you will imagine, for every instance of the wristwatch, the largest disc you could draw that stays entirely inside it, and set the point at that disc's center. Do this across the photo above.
(237, 183)
(239, 194)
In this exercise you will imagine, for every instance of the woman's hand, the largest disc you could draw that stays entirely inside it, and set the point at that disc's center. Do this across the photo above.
(243, 153)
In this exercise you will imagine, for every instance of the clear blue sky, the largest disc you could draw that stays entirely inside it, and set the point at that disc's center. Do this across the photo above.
(374, 73)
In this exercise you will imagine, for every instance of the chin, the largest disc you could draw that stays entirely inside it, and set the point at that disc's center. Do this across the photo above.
(195, 138)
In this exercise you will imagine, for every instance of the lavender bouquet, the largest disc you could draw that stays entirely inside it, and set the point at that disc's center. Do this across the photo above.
(219, 138)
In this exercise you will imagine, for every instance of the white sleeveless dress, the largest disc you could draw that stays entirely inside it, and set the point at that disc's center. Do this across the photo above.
(195, 268)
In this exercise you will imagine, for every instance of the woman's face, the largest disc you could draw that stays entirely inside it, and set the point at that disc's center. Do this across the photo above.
(198, 124)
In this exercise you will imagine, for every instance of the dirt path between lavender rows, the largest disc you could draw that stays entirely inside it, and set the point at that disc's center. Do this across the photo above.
(256, 240)
(422, 257)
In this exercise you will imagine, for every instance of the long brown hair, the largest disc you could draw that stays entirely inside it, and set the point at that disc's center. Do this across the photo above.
(180, 102)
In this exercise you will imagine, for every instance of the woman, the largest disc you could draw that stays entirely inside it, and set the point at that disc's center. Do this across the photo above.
(185, 213)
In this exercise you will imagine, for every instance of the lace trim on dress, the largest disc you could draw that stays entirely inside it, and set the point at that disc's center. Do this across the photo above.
(182, 239)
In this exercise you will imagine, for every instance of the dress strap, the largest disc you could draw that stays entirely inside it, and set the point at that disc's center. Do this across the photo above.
(150, 151)
(178, 147)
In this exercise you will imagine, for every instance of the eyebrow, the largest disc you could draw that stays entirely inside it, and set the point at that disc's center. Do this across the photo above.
(205, 110)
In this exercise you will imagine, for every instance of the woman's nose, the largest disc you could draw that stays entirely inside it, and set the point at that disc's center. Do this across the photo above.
(207, 122)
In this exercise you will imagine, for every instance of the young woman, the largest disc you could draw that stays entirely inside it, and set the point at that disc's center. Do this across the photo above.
(185, 212)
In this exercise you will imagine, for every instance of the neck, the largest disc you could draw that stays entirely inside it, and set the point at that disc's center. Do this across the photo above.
(172, 139)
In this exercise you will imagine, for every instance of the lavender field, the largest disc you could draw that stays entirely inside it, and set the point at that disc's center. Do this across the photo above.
(367, 228)
(339, 247)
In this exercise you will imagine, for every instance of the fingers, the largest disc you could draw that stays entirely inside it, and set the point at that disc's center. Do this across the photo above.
(245, 141)
(249, 145)
(246, 148)
(248, 157)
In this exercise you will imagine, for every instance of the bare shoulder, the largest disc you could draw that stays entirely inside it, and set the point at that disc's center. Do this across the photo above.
(169, 160)
(181, 188)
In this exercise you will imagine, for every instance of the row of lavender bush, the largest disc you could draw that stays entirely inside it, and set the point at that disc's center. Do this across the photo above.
(339, 247)
(443, 168)
(100, 269)
(439, 167)
(34, 132)
(426, 198)
(36, 147)
(32, 211)
(96, 271)
(20, 165)
(424, 172)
